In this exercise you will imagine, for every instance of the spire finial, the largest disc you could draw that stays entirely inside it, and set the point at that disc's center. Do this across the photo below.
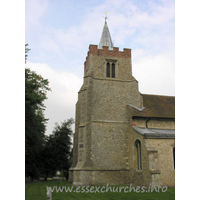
(105, 16)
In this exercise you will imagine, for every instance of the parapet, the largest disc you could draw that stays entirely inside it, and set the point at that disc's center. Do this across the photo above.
(93, 49)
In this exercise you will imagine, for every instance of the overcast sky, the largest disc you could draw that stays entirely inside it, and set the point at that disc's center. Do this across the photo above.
(59, 34)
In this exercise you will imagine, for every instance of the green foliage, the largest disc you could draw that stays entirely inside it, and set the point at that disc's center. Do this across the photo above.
(36, 88)
(44, 155)
(26, 51)
(58, 148)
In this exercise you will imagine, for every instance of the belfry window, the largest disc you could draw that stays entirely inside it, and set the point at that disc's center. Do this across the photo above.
(138, 154)
(110, 70)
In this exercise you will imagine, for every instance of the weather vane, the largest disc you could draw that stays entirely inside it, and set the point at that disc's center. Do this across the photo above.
(105, 16)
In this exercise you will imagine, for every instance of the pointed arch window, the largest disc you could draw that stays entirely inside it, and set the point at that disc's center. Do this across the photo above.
(110, 70)
(138, 154)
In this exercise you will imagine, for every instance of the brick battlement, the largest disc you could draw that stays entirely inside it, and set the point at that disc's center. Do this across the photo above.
(126, 53)
(93, 49)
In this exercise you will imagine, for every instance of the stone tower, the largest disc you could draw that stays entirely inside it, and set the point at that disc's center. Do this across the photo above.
(102, 117)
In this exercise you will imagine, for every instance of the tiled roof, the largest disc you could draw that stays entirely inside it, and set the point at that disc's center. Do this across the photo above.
(155, 106)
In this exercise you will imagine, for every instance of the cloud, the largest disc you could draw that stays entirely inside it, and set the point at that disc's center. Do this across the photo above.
(155, 74)
(148, 25)
(60, 104)
(34, 11)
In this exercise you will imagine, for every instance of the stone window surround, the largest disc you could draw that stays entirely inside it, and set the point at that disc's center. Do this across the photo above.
(111, 61)
(138, 155)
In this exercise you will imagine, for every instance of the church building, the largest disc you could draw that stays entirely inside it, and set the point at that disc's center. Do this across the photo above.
(121, 136)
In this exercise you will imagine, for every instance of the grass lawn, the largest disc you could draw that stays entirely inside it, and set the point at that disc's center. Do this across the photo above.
(37, 191)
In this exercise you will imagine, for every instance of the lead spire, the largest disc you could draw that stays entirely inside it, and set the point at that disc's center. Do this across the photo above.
(105, 36)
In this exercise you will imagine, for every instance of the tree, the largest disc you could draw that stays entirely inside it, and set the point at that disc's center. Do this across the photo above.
(58, 149)
(36, 88)
(26, 51)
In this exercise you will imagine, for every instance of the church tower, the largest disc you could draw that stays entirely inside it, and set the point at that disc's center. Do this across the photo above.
(102, 117)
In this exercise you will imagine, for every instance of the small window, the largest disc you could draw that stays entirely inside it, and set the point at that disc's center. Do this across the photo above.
(174, 156)
(108, 70)
(138, 154)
